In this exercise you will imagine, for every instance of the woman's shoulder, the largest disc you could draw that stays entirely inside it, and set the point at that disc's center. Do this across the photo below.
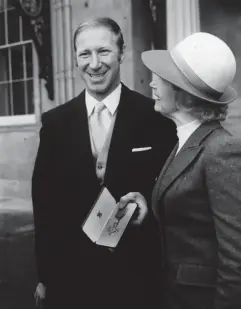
(222, 141)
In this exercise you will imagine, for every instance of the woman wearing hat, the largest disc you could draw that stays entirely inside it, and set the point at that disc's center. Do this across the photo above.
(197, 197)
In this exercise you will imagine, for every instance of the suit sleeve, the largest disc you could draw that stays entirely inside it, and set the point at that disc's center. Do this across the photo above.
(41, 197)
(223, 179)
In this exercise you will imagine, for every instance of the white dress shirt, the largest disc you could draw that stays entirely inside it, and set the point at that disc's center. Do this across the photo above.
(185, 131)
(111, 102)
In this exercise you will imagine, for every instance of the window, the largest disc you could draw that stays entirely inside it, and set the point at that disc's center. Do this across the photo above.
(18, 69)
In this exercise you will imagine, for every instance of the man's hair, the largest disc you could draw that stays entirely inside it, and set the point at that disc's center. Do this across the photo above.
(102, 22)
(199, 108)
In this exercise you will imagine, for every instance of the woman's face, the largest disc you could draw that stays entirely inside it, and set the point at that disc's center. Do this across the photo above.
(164, 95)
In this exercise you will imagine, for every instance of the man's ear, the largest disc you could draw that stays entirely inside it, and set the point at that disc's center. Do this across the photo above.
(122, 53)
(76, 62)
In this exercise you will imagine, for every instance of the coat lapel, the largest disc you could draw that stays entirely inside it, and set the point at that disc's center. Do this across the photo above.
(155, 192)
(185, 156)
(121, 136)
(79, 136)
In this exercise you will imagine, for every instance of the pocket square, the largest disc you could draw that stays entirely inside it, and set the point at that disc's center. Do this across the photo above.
(141, 149)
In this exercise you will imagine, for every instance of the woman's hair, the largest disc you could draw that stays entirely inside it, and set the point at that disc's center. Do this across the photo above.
(199, 108)
(102, 22)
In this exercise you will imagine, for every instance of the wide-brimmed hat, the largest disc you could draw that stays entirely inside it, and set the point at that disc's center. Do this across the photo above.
(201, 64)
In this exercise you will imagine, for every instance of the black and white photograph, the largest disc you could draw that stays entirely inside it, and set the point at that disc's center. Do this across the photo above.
(120, 154)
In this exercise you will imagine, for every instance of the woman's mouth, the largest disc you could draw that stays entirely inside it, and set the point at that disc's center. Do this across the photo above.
(156, 97)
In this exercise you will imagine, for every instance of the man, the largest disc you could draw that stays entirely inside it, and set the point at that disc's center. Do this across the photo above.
(80, 152)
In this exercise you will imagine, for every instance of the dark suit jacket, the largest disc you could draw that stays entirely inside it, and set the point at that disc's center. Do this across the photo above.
(197, 200)
(64, 187)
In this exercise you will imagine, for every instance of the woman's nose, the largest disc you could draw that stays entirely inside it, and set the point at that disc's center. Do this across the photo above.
(95, 62)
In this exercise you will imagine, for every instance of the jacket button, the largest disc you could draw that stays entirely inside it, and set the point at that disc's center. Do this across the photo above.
(100, 166)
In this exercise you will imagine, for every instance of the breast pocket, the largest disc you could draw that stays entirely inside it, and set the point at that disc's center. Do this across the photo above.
(140, 159)
(142, 167)
(195, 275)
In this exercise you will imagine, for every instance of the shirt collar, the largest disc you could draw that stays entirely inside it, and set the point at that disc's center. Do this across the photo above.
(188, 128)
(111, 101)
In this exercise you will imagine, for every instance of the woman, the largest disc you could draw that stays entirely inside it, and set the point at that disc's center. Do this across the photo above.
(197, 198)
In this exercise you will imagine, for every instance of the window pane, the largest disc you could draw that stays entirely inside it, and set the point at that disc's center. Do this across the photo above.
(1, 5)
(13, 26)
(30, 96)
(29, 60)
(4, 73)
(2, 28)
(18, 98)
(10, 3)
(5, 99)
(26, 31)
(17, 62)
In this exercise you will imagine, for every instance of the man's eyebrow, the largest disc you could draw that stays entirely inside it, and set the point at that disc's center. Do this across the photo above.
(83, 50)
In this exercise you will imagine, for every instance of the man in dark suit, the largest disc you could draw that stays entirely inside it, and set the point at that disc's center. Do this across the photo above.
(72, 167)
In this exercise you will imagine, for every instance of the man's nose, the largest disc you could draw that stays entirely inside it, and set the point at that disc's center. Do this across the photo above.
(95, 62)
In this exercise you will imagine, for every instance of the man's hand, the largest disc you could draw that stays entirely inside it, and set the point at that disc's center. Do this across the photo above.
(138, 198)
(39, 295)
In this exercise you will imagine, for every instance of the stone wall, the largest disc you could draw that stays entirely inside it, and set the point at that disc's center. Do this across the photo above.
(223, 19)
(132, 16)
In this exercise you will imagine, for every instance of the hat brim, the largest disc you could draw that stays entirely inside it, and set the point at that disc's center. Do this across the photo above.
(161, 63)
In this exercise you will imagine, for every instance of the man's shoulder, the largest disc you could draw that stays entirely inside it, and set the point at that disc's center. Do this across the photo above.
(137, 98)
(143, 109)
(62, 110)
(140, 105)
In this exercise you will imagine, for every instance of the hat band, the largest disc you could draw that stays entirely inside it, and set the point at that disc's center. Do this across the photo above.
(192, 77)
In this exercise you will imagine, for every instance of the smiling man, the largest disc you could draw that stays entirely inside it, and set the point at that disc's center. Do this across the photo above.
(107, 136)
(99, 52)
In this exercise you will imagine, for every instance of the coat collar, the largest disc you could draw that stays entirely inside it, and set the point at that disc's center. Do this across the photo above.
(176, 165)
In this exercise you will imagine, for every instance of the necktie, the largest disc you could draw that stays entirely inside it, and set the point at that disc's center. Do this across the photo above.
(97, 127)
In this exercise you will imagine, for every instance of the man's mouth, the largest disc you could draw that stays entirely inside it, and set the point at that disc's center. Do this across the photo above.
(97, 75)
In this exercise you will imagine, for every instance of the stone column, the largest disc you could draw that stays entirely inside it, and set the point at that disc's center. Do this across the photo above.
(68, 69)
(53, 11)
(62, 50)
(182, 20)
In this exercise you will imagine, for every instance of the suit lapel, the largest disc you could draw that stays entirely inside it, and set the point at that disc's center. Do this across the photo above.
(121, 136)
(166, 165)
(177, 166)
(185, 157)
(79, 135)
(155, 193)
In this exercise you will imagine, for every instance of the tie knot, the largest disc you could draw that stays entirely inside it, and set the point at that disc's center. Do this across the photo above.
(99, 107)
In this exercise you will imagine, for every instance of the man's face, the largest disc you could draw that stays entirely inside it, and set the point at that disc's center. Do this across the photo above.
(98, 60)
